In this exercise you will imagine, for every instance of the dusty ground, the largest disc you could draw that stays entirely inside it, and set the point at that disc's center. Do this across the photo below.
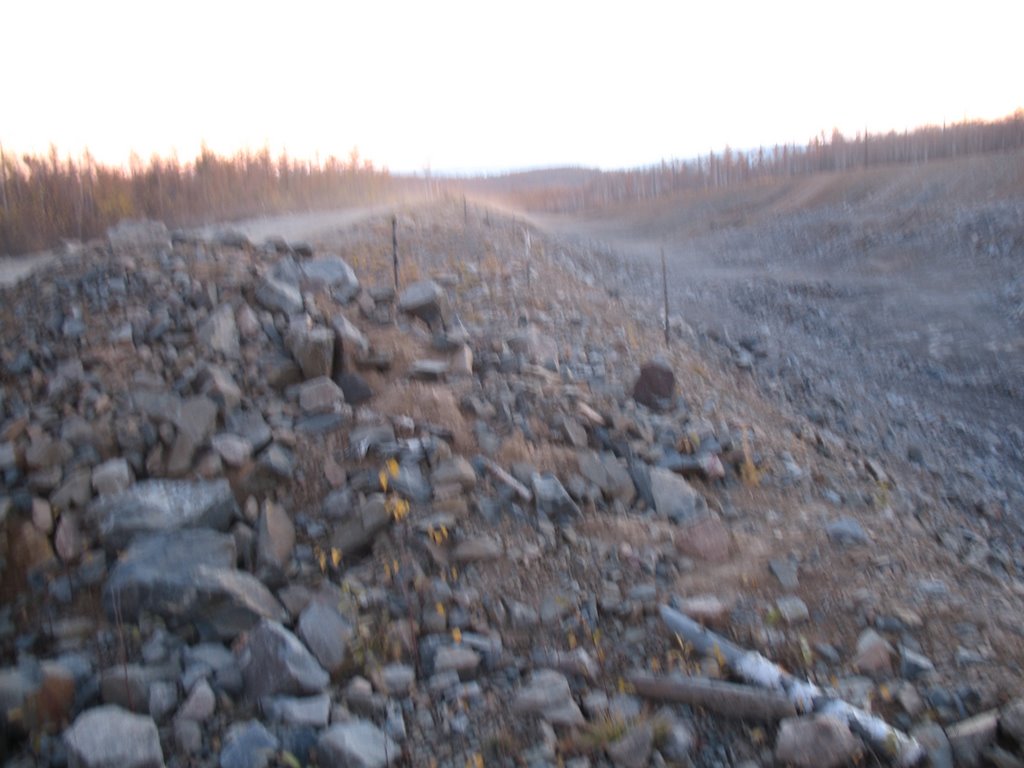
(888, 306)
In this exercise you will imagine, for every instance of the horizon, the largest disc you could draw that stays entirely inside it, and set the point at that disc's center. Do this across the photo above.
(451, 90)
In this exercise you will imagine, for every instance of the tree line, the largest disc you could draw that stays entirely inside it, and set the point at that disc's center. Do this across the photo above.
(823, 153)
(45, 199)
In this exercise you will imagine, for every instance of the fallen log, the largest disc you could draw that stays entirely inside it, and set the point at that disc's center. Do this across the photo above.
(755, 669)
(743, 702)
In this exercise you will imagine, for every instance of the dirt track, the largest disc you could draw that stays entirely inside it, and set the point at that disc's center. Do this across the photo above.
(886, 306)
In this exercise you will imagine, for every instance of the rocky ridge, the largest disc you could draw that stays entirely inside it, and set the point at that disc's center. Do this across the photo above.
(262, 506)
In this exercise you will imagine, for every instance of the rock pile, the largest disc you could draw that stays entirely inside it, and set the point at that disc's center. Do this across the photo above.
(257, 513)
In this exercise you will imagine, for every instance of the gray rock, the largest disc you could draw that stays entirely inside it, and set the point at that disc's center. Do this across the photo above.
(274, 661)
(334, 273)
(200, 704)
(874, 654)
(426, 301)
(969, 739)
(112, 477)
(932, 739)
(320, 395)
(786, 572)
(162, 505)
(74, 492)
(678, 738)
(455, 471)
(251, 426)
(313, 711)
(357, 531)
(127, 685)
(633, 748)
(275, 540)
(357, 744)
(111, 737)
(548, 695)
(349, 343)
(196, 418)
(792, 609)
(163, 699)
(355, 388)
(552, 498)
(914, 665)
(1011, 720)
(535, 347)
(457, 658)
(188, 737)
(274, 467)
(397, 679)
(277, 295)
(233, 450)
(482, 548)
(248, 745)
(846, 531)
(219, 332)
(674, 498)
(312, 348)
(327, 634)
(188, 576)
(818, 741)
(219, 385)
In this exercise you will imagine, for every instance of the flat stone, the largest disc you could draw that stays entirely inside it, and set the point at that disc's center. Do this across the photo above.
(481, 548)
(275, 540)
(312, 348)
(933, 740)
(707, 609)
(786, 571)
(552, 499)
(818, 741)
(111, 737)
(233, 450)
(874, 654)
(428, 370)
(356, 532)
(274, 661)
(547, 694)
(200, 704)
(457, 658)
(312, 711)
(251, 426)
(847, 531)
(969, 739)
(248, 745)
(326, 633)
(162, 505)
(397, 679)
(334, 273)
(357, 743)
(74, 492)
(220, 386)
(454, 471)
(354, 387)
(426, 301)
(674, 498)
(320, 395)
(1011, 720)
(706, 538)
(279, 296)
(219, 333)
(792, 609)
(111, 477)
(188, 577)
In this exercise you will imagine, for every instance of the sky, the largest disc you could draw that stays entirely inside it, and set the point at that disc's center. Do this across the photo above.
(487, 86)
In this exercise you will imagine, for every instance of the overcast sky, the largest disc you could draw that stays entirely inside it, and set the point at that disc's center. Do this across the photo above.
(494, 85)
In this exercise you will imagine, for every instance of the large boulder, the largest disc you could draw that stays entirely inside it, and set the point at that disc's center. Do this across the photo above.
(334, 273)
(425, 300)
(161, 505)
(188, 577)
(274, 661)
(111, 737)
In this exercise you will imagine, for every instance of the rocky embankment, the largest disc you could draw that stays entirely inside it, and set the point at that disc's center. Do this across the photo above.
(260, 508)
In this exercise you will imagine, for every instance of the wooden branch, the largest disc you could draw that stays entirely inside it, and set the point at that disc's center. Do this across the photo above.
(755, 669)
(730, 699)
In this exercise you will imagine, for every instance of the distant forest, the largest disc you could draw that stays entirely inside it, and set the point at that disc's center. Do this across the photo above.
(44, 199)
(577, 189)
